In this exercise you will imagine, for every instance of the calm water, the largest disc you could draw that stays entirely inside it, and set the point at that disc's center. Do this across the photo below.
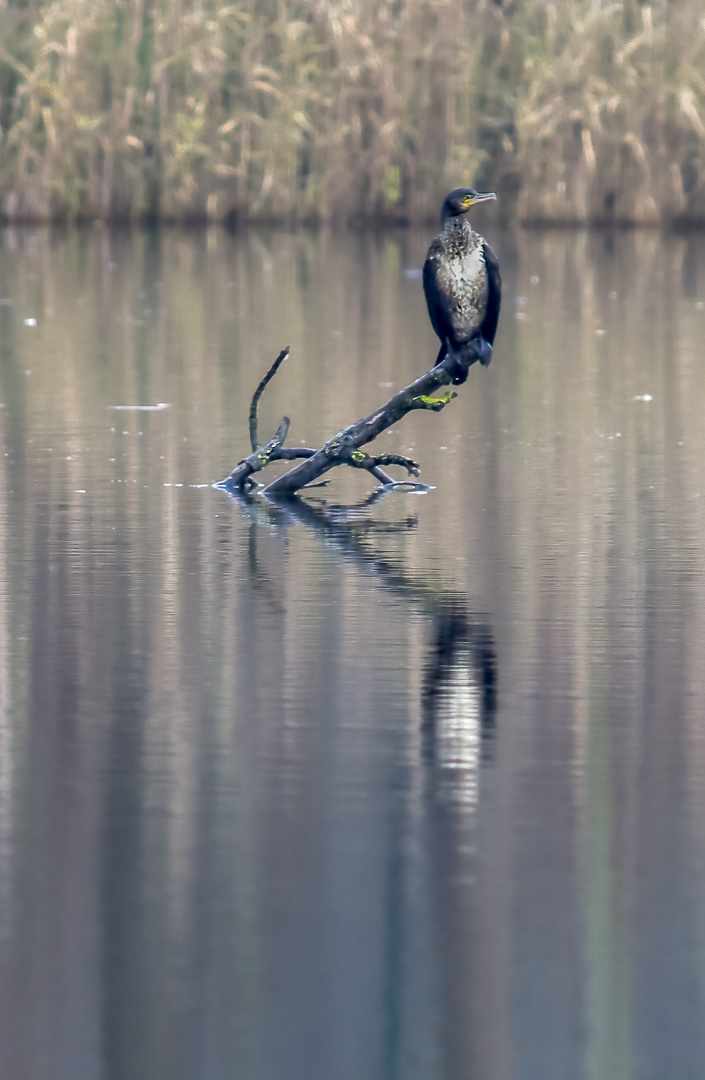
(411, 790)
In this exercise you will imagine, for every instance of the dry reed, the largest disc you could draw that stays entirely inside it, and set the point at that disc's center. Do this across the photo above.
(301, 110)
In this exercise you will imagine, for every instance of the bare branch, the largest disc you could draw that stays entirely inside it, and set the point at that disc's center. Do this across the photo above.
(345, 447)
(254, 440)
(414, 396)
(282, 431)
(289, 453)
(412, 467)
(380, 474)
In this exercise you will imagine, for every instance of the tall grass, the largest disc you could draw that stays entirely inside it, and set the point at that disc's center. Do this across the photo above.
(305, 110)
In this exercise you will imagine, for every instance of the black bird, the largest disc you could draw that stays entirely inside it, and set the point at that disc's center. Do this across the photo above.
(463, 286)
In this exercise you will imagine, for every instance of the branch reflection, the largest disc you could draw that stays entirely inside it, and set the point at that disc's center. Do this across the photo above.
(459, 687)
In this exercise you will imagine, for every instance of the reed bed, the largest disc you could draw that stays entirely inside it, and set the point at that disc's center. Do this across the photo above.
(350, 110)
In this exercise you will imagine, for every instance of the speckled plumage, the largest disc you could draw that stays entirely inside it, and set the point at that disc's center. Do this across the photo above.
(463, 291)
(455, 266)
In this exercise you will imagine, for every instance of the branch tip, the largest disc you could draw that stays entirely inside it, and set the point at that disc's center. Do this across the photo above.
(282, 431)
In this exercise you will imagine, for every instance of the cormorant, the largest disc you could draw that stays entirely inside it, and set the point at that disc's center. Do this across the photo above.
(462, 285)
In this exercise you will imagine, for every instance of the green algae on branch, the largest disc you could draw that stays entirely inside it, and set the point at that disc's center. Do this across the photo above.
(344, 448)
(423, 401)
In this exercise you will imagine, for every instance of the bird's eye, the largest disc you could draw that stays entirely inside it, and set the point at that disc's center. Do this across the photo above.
(467, 200)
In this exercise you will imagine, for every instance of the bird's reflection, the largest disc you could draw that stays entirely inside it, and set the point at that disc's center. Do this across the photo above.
(459, 701)
(459, 685)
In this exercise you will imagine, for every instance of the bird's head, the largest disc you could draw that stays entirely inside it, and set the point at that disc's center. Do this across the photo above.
(463, 199)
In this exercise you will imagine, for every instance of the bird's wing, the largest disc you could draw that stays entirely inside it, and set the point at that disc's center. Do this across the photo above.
(434, 288)
(494, 294)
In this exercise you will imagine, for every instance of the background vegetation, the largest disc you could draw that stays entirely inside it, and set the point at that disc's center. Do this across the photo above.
(304, 110)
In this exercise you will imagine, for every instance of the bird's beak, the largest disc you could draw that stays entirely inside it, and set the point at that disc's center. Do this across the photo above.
(483, 196)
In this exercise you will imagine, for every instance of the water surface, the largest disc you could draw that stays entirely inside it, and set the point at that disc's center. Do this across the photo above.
(411, 788)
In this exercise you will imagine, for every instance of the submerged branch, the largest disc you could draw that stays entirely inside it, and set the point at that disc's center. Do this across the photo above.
(240, 477)
(345, 447)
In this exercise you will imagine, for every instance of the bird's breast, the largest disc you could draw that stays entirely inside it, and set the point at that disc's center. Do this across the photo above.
(466, 283)
(468, 271)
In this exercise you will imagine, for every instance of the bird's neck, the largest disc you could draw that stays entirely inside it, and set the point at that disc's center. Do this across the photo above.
(457, 225)
(460, 233)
